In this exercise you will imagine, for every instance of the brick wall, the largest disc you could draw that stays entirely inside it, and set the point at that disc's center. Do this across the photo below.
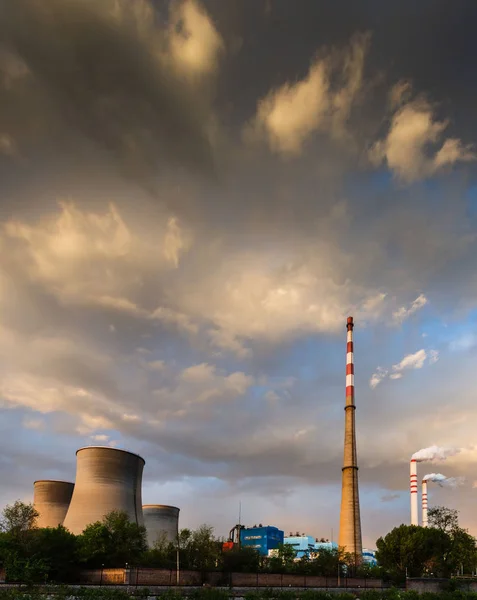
(105, 576)
(167, 577)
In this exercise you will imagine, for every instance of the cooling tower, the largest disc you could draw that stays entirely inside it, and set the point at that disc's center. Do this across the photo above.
(51, 499)
(106, 479)
(159, 520)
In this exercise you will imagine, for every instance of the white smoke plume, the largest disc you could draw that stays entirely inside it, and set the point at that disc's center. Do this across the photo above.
(434, 453)
(443, 481)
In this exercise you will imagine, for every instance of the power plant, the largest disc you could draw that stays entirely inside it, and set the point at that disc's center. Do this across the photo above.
(107, 479)
(350, 519)
(161, 522)
(110, 479)
(51, 499)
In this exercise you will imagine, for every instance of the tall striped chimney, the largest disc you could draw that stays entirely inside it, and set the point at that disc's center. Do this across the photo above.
(424, 503)
(413, 490)
(350, 519)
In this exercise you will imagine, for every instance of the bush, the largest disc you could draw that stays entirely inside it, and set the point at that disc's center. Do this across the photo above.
(209, 594)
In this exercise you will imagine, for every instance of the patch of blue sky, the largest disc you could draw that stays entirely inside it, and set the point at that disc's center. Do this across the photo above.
(471, 198)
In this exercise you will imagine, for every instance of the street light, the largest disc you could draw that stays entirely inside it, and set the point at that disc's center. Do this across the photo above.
(101, 578)
(126, 575)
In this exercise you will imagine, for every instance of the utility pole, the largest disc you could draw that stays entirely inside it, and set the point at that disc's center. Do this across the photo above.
(177, 561)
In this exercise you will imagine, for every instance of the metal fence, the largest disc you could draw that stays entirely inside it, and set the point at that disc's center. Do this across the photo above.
(139, 576)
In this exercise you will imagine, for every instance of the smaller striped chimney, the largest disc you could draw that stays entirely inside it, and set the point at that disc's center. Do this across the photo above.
(424, 503)
(413, 490)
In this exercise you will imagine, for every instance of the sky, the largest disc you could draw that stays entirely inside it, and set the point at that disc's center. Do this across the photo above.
(193, 198)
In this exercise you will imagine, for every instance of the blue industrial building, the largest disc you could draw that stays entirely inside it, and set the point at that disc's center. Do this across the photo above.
(369, 557)
(261, 539)
(326, 546)
(302, 544)
(307, 545)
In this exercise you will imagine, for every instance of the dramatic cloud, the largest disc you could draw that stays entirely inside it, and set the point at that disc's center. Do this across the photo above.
(195, 44)
(289, 115)
(105, 70)
(414, 129)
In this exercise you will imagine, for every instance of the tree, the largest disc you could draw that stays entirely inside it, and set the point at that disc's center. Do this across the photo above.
(462, 555)
(113, 542)
(326, 562)
(30, 554)
(241, 559)
(199, 549)
(284, 559)
(18, 518)
(445, 519)
(162, 555)
(415, 551)
(57, 548)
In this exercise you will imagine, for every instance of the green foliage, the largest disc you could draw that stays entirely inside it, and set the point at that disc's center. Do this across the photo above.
(241, 560)
(18, 518)
(27, 570)
(445, 519)
(162, 556)
(199, 550)
(415, 551)
(209, 594)
(284, 559)
(442, 549)
(169, 594)
(32, 555)
(57, 547)
(113, 542)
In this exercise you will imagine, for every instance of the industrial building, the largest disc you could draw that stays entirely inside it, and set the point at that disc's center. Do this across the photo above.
(261, 538)
(369, 557)
(302, 544)
(308, 545)
(107, 479)
(326, 546)
(51, 499)
(161, 522)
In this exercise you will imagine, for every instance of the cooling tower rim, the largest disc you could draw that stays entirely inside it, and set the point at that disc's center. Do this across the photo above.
(111, 449)
(53, 481)
(161, 506)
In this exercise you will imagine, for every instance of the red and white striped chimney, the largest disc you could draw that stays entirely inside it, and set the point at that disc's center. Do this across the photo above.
(424, 503)
(413, 489)
(350, 538)
(350, 361)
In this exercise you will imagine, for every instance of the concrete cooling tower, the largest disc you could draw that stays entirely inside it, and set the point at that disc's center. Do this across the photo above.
(51, 499)
(160, 520)
(106, 479)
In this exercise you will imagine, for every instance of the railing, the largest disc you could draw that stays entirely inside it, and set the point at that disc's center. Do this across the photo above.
(140, 576)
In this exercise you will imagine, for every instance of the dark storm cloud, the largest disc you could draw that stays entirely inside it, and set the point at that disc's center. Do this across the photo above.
(100, 76)
(431, 42)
